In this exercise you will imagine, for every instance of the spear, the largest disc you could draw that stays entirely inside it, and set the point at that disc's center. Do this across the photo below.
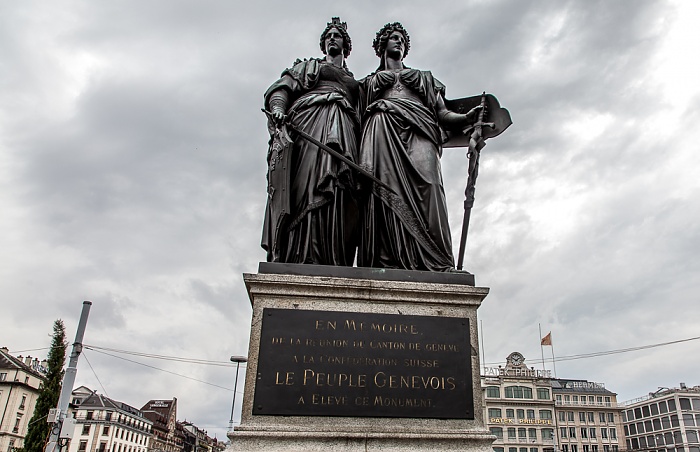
(475, 145)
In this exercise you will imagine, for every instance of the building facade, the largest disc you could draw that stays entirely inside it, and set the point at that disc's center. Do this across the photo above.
(106, 425)
(163, 415)
(587, 417)
(20, 379)
(519, 408)
(667, 420)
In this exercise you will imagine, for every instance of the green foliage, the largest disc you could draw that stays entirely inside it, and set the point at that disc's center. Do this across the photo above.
(50, 390)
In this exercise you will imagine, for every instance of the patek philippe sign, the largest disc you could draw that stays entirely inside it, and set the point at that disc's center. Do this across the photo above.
(329, 363)
(517, 372)
(509, 421)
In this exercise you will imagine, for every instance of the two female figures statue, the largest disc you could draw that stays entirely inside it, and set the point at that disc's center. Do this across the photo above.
(398, 138)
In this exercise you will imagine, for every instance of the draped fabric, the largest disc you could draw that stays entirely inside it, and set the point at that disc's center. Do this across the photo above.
(322, 226)
(401, 145)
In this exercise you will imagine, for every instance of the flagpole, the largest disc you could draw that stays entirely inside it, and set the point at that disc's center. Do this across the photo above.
(554, 364)
(541, 346)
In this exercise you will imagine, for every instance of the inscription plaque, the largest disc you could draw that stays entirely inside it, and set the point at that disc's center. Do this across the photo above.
(330, 363)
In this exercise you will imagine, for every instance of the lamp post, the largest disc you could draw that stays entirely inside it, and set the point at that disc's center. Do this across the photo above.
(238, 360)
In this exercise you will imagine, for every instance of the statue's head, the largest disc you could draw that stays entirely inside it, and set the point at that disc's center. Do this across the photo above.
(342, 29)
(383, 35)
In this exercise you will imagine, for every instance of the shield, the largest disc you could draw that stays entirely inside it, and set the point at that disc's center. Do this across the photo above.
(499, 116)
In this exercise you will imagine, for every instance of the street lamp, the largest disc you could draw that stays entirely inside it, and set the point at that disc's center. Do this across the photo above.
(238, 360)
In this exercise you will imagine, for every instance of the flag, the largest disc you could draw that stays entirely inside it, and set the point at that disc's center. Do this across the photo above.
(547, 340)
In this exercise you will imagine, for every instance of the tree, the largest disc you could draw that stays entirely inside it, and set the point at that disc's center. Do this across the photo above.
(49, 391)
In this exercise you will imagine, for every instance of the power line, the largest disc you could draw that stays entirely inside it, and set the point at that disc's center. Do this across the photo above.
(164, 357)
(95, 374)
(158, 368)
(607, 352)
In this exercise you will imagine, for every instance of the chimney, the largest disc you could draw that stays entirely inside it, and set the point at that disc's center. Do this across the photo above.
(28, 360)
(683, 386)
(4, 350)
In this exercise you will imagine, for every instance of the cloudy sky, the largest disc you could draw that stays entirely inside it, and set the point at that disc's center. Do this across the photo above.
(132, 174)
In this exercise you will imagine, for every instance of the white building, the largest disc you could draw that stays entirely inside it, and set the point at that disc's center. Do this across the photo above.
(105, 425)
(20, 379)
(667, 420)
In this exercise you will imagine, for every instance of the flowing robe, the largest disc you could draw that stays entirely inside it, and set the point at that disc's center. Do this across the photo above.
(322, 222)
(402, 145)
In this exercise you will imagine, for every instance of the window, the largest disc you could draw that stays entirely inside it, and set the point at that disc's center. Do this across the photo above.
(591, 433)
(15, 429)
(498, 449)
(564, 448)
(105, 430)
(574, 448)
(662, 407)
(86, 429)
(613, 433)
(668, 437)
(637, 413)
(606, 448)
(591, 417)
(696, 404)
(567, 399)
(640, 427)
(562, 432)
(647, 426)
(599, 400)
(574, 400)
(582, 416)
(558, 399)
(108, 416)
(494, 412)
(615, 448)
(594, 448)
(3, 376)
(654, 409)
(650, 441)
(493, 391)
(522, 432)
(604, 433)
(645, 411)
(635, 443)
(103, 447)
(674, 420)
(591, 400)
(562, 416)
(518, 392)
(677, 437)
(543, 393)
(531, 414)
(611, 418)
(510, 413)
(545, 414)
(671, 405)
(688, 420)
(512, 449)
(570, 416)
(666, 422)
(89, 415)
(584, 433)
(657, 423)
(511, 432)
(82, 446)
(572, 432)
(608, 401)
(692, 436)
(498, 431)
(547, 433)
(532, 433)
(533, 449)
(586, 448)
(601, 418)
(633, 429)
(21, 405)
(521, 413)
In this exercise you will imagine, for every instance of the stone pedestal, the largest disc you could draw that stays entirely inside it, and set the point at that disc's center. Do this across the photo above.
(366, 293)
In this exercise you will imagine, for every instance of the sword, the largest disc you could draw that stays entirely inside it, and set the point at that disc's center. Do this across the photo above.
(334, 153)
(475, 146)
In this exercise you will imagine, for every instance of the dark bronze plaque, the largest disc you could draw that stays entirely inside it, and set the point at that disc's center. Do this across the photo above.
(328, 363)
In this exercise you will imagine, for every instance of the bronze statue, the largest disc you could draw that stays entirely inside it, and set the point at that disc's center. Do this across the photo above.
(311, 215)
(403, 133)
